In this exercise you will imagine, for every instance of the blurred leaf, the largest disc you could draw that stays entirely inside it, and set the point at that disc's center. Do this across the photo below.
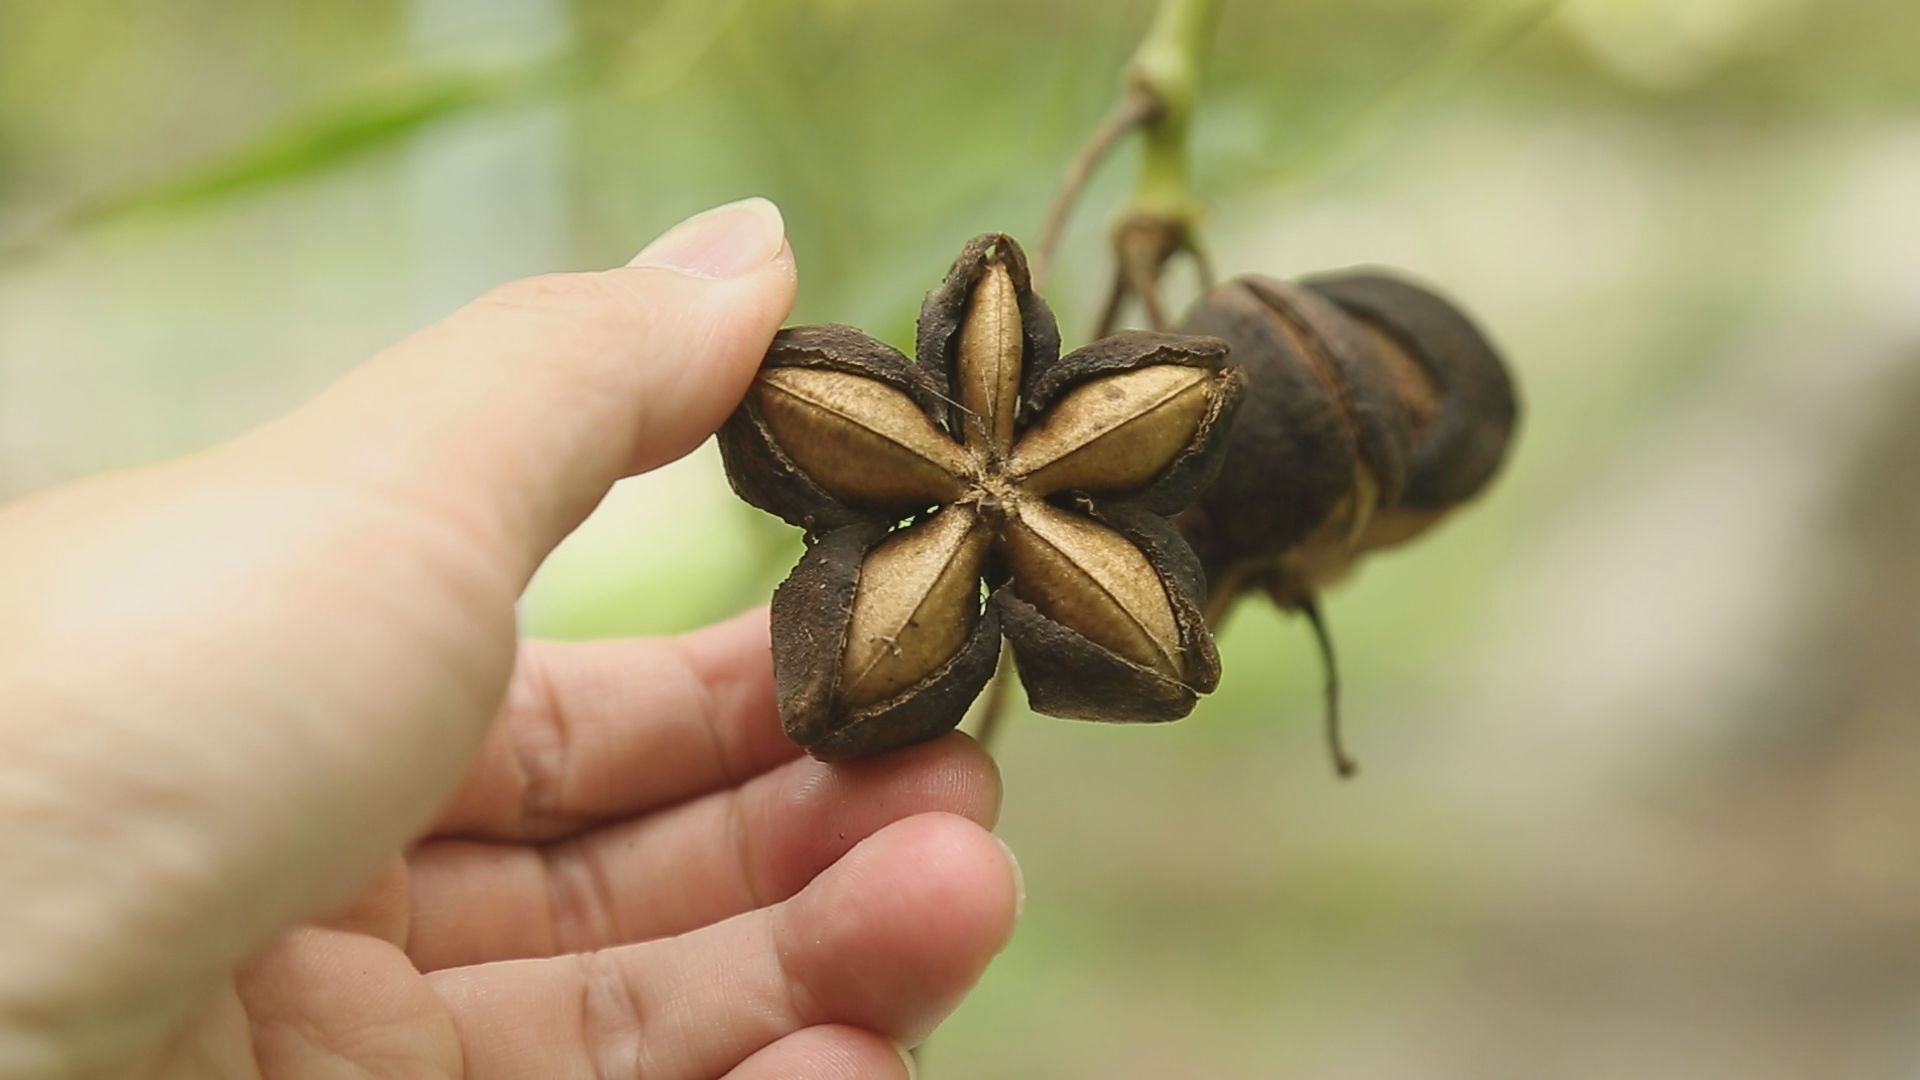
(1479, 36)
(304, 145)
(662, 52)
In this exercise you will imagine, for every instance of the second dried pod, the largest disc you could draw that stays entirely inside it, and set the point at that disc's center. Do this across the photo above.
(1374, 408)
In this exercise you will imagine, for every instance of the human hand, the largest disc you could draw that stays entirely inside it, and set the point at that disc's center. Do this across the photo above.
(281, 794)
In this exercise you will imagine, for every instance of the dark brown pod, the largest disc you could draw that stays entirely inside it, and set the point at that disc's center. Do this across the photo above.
(1195, 469)
(1373, 408)
(937, 334)
(1319, 440)
(1449, 380)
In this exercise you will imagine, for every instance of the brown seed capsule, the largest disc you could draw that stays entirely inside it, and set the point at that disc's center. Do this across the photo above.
(1319, 444)
(989, 367)
(1451, 385)
(1044, 474)
(1081, 445)
(1373, 408)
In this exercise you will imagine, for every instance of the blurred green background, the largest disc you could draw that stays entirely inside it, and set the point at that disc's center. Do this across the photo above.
(1641, 731)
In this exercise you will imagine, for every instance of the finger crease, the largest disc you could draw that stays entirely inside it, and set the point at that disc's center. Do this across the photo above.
(707, 714)
(579, 898)
(741, 840)
(610, 1018)
(540, 739)
(803, 1005)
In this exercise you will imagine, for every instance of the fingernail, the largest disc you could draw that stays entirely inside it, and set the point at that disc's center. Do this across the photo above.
(724, 242)
(784, 260)
(1019, 880)
(906, 1058)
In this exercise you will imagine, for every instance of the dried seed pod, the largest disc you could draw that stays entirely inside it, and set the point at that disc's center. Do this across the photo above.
(1046, 475)
(1451, 385)
(1373, 408)
(1320, 442)
(836, 491)
(1073, 446)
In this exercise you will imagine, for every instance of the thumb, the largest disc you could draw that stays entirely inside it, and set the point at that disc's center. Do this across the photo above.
(517, 413)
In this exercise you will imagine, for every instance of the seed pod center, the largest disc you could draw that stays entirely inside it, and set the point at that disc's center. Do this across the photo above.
(998, 501)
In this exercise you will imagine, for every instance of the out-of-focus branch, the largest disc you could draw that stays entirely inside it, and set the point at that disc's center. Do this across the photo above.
(1134, 109)
(1156, 99)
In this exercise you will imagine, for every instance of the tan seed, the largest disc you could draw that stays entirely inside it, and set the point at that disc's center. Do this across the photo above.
(1094, 581)
(862, 440)
(917, 600)
(1115, 433)
(989, 368)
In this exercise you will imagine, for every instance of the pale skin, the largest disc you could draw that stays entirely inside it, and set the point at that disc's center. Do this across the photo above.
(282, 794)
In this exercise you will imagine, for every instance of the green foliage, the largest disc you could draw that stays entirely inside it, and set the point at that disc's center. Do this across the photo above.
(309, 144)
(305, 145)
(1467, 44)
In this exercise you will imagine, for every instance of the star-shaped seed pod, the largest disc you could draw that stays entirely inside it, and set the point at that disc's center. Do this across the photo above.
(992, 459)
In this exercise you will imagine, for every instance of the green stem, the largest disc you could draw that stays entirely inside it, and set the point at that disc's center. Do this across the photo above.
(1162, 81)
(1168, 66)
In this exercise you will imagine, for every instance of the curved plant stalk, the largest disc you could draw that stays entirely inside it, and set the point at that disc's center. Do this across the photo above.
(1221, 598)
(1156, 99)
(1136, 107)
(1343, 762)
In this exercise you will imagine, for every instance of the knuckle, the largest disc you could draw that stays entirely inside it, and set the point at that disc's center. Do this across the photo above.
(536, 729)
(612, 1018)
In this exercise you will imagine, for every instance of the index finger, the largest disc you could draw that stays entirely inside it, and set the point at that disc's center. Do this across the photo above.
(593, 731)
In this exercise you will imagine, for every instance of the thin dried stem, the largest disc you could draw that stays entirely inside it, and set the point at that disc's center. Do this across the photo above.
(1202, 264)
(1110, 314)
(1143, 281)
(1343, 762)
(1143, 244)
(1137, 107)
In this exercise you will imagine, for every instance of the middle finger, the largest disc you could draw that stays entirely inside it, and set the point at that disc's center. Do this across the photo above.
(681, 868)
